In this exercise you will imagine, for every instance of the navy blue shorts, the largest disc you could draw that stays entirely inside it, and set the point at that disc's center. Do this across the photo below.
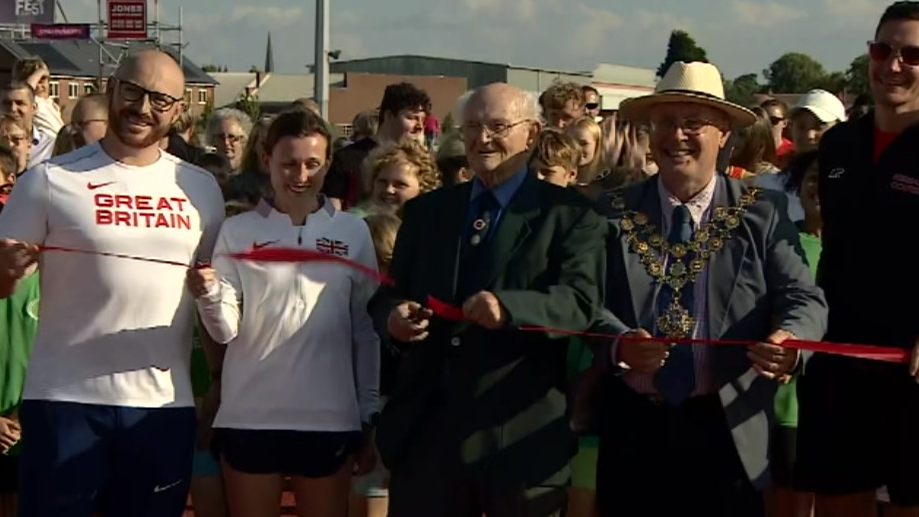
(309, 454)
(81, 459)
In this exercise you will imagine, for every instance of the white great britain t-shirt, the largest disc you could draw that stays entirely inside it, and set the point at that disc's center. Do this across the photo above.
(114, 331)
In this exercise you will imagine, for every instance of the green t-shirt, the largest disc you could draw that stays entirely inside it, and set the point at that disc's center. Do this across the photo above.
(786, 399)
(18, 324)
(580, 357)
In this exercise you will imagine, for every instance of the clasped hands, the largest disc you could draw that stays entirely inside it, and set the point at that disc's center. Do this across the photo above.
(769, 358)
(408, 322)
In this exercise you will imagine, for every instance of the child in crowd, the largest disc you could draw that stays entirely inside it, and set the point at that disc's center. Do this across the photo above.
(18, 324)
(370, 496)
(396, 173)
(452, 162)
(17, 138)
(586, 132)
(8, 168)
(781, 500)
(555, 158)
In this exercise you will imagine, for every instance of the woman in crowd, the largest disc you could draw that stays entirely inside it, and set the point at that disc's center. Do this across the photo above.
(227, 131)
(754, 149)
(251, 181)
(303, 325)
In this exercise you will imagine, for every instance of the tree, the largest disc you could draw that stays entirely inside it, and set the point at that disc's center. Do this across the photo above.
(253, 69)
(205, 116)
(210, 68)
(681, 47)
(794, 73)
(857, 76)
(835, 83)
(742, 89)
(250, 106)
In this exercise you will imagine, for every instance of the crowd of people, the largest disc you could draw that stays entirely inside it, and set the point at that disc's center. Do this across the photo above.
(548, 310)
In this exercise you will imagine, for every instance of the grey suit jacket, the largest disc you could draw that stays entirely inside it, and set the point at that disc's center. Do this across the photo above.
(759, 282)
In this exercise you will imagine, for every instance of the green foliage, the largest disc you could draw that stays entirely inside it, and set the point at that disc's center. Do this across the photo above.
(681, 47)
(205, 116)
(250, 106)
(742, 89)
(857, 76)
(794, 72)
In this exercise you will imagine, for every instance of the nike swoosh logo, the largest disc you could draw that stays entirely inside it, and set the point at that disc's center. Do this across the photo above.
(157, 489)
(94, 186)
(260, 245)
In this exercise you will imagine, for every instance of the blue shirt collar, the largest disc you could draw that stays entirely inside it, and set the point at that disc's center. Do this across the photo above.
(503, 192)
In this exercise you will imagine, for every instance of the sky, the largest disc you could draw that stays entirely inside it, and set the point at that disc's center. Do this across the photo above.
(740, 36)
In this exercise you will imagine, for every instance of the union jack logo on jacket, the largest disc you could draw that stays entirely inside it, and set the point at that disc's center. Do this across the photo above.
(332, 247)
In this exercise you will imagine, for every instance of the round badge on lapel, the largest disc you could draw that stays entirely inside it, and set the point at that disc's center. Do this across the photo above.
(479, 225)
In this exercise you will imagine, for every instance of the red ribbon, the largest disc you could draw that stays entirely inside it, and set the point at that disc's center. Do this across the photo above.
(876, 353)
(453, 313)
(286, 255)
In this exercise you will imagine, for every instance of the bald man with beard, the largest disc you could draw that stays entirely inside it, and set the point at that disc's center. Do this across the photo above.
(476, 422)
(108, 400)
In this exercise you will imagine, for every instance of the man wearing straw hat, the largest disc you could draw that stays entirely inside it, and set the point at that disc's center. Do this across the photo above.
(693, 254)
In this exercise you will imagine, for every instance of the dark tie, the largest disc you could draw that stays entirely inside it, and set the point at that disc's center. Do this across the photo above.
(476, 237)
(677, 378)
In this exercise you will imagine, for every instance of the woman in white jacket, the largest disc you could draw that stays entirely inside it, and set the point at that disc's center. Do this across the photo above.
(301, 372)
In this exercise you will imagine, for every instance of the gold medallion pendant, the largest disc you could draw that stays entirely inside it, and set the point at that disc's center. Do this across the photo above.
(676, 265)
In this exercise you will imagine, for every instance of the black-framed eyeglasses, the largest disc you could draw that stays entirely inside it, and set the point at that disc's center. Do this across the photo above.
(132, 92)
(492, 129)
(776, 120)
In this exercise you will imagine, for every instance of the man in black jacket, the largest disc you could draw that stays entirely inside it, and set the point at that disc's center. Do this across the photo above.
(859, 419)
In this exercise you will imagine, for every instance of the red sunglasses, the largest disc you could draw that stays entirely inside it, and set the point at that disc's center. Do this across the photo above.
(908, 55)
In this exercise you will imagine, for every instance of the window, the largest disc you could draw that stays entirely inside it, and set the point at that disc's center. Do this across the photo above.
(73, 89)
(187, 94)
(55, 88)
(88, 88)
(345, 130)
(202, 96)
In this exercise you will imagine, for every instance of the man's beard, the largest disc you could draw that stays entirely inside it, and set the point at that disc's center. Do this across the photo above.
(119, 119)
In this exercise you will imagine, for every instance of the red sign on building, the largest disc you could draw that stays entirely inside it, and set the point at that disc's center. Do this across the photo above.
(127, 19)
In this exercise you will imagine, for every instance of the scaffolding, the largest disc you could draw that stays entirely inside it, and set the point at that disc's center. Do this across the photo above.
(159, 34)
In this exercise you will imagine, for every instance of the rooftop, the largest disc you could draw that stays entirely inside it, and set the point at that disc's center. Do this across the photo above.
(77, 58)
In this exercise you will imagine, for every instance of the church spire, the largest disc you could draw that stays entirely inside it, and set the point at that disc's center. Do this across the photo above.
(269, 57)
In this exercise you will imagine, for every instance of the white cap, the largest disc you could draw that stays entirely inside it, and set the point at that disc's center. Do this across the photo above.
(823, 104)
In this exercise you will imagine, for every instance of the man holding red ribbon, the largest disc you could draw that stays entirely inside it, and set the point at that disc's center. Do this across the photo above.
(696, 258)
(859, 419)
(476, 423)
(108, 403)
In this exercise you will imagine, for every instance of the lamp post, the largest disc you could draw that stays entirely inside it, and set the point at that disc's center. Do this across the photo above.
(321, 62)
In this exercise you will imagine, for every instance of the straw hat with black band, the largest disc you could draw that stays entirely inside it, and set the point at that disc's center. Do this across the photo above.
(695, 83)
